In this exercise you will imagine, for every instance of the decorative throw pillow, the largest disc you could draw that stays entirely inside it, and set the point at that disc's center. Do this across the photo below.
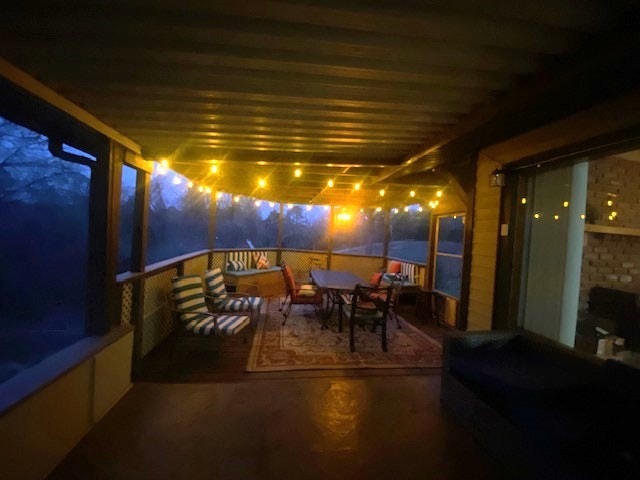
(375, 279)
(235, 266)
(262, 262)
(394, 267)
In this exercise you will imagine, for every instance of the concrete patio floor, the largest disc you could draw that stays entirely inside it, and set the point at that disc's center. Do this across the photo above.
(384, 427)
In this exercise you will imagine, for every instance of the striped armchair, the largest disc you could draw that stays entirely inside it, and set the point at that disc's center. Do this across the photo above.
(191, 309)
(223, 301)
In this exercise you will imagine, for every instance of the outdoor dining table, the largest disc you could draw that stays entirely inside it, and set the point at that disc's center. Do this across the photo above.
(334, 282)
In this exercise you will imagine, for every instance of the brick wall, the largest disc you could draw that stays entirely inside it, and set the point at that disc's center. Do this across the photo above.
(609, 260)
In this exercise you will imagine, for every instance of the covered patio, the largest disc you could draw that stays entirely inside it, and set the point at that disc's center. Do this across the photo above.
(486, 152)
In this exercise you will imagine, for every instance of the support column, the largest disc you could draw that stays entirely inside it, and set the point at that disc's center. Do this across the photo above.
(280, 235)
(331, 225)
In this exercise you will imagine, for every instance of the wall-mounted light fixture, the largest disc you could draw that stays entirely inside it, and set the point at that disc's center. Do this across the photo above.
(497, 178)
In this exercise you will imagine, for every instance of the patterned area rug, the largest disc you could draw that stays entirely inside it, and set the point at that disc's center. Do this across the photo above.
(302, 345)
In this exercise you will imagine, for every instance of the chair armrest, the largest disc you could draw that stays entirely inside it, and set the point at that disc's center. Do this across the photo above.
(214, 316)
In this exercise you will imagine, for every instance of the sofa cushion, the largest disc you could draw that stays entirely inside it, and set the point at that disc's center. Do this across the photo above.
(515, 371)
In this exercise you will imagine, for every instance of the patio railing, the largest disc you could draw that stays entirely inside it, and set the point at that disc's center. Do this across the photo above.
(144, 295)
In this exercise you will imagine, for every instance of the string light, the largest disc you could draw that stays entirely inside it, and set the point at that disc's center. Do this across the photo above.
(439, 193)
(201, 189)
(214, 168)
(190, 184)
(271, 204)
(236, 198)
(290, 205)
(258, 203)
(309, 207)
(262, 183)
(381, 192)
(330, 183)
(297, 173)
(536, 215)
(163, 167)
(218, 194)
(208, 189)
(378, 209)
(412, 193)
(420, 209)
(395, 210)
(582, 216)
(177, 180)
(565, 204)
(356, 186)
(406, 209)
(556, 217)
(523, 200)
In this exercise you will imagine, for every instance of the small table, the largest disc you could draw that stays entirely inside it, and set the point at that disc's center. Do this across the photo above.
(334, 282)
(427, 304)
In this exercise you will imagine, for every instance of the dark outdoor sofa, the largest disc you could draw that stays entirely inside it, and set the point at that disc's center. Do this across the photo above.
(543, 410)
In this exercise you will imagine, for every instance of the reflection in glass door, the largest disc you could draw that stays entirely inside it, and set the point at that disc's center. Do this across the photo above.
(553, 252)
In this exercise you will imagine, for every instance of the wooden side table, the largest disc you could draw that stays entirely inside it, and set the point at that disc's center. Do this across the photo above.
(426, 305)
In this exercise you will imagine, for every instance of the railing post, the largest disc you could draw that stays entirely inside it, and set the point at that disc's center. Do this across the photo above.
(387, 236)
(280, 234)
(331, 233)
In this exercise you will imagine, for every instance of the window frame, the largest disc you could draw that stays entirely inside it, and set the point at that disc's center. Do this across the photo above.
(450, 255)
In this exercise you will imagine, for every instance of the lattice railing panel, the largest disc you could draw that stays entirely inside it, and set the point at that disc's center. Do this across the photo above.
(127, 304)
(302, 262)
(197, 265)
(361, 266)
(157, 316)
(218, 260)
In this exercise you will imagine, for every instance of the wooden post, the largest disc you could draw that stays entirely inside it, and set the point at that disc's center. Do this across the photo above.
(332, 230)
(213, 213)
(387, 236)
(280, 235)
(104, 206)
(140, 221)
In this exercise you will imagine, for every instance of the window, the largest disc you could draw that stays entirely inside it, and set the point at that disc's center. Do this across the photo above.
(178, 216)
(127, 203)
(360, 232)
(410, 234)
(240, 218)
(305, 227)
(448, 258)
(44, 213)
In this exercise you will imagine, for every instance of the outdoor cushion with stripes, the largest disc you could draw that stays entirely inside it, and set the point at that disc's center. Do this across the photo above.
(214, 281)
(236, 265)
(189, 298)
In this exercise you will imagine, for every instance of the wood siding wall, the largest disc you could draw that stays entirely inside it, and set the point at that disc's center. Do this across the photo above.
(486, 214)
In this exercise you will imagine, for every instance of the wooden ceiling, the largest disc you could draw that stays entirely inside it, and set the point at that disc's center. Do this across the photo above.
(353, 92)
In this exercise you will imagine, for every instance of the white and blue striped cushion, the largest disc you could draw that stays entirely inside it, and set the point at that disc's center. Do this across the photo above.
(189, 298)
(409, 271)
(188, 295)
(236, 266)
(214, 281)
(243, 256)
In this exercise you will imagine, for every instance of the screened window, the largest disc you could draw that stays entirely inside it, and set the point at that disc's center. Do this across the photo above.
(127, 203)
(448, 258)
(359, 232)
(305, 227)
(240, 218)
(44, 213)
(178, 216)
(410, 234)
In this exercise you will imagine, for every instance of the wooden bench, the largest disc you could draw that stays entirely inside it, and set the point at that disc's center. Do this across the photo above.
(267, 281)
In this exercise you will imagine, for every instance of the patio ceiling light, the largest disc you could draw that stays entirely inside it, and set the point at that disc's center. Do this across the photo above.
(297, 173)
(330, 183)
(356, 186)
(214, 168)
(412, 193)
(262, 183)
(439, 193)
(381, 192)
